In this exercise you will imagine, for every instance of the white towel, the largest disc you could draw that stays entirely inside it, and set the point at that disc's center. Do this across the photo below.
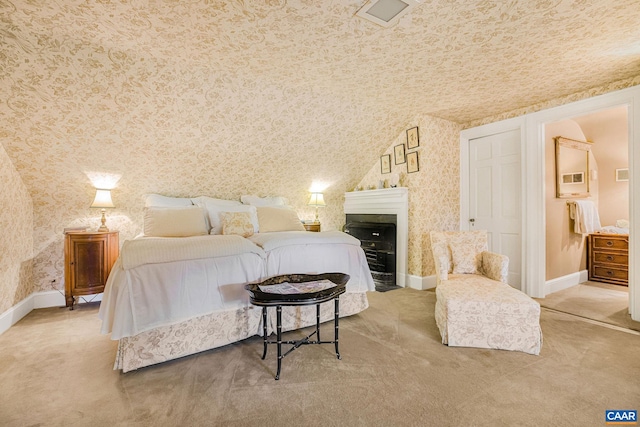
(585, 216)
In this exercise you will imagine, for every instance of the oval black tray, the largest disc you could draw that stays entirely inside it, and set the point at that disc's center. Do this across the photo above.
(340, 279)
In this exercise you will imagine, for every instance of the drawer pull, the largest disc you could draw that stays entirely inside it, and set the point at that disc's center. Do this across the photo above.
(609, 273)
(609, 258)
(609, 243)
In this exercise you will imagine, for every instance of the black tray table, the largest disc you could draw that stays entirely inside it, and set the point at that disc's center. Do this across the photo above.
(268, 299)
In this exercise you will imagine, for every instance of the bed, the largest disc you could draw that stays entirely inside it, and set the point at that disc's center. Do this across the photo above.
(171, 296)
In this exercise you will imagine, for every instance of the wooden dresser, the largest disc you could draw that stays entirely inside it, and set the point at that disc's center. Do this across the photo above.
(608, 258)
(88, 258)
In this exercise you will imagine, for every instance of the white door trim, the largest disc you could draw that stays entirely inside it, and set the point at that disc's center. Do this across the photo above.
(533, 188)
(535, 124)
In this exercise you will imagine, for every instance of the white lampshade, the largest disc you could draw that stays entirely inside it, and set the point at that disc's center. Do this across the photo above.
(317, 200)
(103, 199)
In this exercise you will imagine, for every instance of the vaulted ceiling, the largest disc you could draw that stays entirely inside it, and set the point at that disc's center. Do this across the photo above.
(212, 94)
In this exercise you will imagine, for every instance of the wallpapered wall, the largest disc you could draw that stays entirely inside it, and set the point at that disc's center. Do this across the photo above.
(434, 191)
(16, 243)
(433, 196)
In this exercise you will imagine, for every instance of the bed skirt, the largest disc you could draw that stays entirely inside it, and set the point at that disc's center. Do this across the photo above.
(219, 329)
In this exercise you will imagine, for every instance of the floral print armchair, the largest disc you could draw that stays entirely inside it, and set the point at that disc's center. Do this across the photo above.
(475, 307)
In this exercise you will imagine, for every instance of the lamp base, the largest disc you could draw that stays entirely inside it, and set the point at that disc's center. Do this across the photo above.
(103, 227)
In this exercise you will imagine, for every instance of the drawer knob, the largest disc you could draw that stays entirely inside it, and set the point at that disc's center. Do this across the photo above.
(609, 258)
(609, 243)
(609, 273)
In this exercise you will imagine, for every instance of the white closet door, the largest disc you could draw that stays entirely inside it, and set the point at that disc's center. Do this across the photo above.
(495, 199)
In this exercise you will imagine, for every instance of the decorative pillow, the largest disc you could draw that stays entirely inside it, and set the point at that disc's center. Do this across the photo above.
(263, 201)
(174, 221)
(465, 258)
(215, 216)
(278, 219)
(237, 223)
(214, 207)
(164, 201)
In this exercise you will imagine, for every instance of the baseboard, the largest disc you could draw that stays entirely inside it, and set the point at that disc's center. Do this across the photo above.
(36, 300)
(421, 283)
(564, 282)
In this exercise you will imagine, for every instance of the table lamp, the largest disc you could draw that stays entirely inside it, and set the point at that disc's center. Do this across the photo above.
(317, 200)
(103, 200)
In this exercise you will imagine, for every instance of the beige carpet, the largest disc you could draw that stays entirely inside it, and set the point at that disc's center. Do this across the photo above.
(593, 300)
(56, 370)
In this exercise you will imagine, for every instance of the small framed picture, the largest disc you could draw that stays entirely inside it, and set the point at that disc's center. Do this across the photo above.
(398, 154)
(412, 162)
(622, 174)
(385, 163)
(413, 139)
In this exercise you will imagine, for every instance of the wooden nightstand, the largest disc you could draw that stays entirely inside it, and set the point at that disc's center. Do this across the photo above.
(88, 258)
(315, 226)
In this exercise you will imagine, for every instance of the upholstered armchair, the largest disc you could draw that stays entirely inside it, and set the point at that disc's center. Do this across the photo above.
(466, 252)
(475, 307)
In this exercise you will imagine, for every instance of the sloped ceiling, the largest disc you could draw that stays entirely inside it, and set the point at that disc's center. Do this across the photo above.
(229, 97)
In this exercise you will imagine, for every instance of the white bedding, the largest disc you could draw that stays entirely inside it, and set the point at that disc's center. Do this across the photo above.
(154, 250)
(303, 252)
(152, 295)
(162, 286)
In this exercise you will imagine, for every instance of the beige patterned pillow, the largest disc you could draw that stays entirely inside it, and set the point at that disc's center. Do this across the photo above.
(278, 219)
(174, 221)
(466, 259)
(237, 223)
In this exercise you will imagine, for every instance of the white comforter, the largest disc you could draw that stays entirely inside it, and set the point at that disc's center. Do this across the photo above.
(303, 252)
(161, 285)
(154, 250)
(158, 282)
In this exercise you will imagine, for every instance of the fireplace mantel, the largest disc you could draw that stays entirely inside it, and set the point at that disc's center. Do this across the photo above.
(392, 201)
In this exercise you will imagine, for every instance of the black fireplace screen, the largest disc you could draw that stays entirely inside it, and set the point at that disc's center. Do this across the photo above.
(377, 235)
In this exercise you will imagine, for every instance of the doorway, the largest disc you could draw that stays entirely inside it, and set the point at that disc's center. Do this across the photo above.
(531, 126)
(566, 263)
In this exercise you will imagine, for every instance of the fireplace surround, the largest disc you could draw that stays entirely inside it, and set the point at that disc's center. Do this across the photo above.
(386, 201)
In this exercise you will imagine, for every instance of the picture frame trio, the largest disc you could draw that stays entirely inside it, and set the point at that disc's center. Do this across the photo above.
(401, 155)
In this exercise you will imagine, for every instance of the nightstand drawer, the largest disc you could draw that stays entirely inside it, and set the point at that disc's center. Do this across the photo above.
(610, 273)
(312, 226)
(610, 258)
(602, 242)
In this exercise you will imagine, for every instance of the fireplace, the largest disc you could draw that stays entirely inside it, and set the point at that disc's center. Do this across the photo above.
(375, 208)
(377, 235)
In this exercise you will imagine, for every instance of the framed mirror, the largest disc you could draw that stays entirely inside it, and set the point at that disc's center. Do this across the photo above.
(572, 168)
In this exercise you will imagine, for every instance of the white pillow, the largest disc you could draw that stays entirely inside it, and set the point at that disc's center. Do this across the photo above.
(174, 221)
(263, 201)
(204, 201)
(164, 201)
(213, 205)
(272, 218)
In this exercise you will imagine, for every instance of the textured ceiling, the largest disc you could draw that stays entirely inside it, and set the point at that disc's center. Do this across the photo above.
(170, 92)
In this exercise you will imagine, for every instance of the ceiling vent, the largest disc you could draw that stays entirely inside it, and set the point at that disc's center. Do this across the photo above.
(386, 12)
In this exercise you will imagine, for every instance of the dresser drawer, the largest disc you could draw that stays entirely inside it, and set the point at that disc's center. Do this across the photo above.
(610, 258)
(610, 273)
(602, 242)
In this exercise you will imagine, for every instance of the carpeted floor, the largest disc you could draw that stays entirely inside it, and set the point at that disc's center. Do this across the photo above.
(56, 369)
(593, 300)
